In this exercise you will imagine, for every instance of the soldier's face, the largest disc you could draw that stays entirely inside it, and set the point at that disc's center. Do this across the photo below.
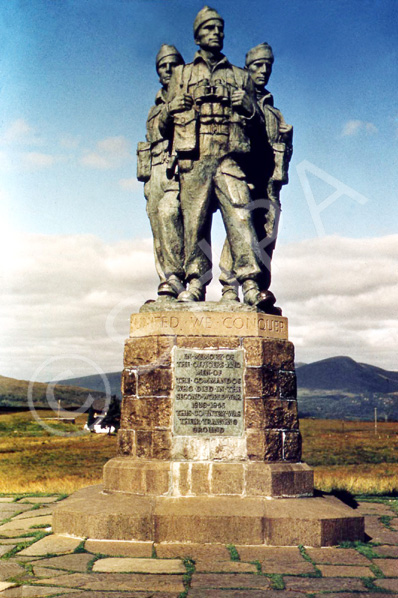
(260, 71)
(165, 69)
(211, 35)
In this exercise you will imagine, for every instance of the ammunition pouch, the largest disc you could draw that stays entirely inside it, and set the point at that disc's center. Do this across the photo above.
(282, 156)
(143, 161)
(239, 141)
(160, 152)
(185, 131)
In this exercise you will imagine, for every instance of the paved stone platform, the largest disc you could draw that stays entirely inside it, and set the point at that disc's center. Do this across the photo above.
(35, 562)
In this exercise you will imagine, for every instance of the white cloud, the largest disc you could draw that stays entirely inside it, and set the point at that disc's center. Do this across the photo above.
(70, 142)
(353, 127)
(20, 132)
(131, 184)
(340, 295)
(94, 160)
(114, 146)
(40, 160)
(5, 162)
(73, 295)
(109, 153)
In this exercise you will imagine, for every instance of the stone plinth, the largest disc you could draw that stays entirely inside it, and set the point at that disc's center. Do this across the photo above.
(92, 513)
(209, 446)
(270, 428)
(207, 478)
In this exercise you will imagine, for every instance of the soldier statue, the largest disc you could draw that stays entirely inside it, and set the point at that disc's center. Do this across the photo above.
(211, 114)
(268, 171)
(155, 166)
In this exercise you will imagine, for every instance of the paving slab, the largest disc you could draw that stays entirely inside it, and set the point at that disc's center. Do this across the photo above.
(9, 510)
(387, 584)
(69, 562)
(203, 593)
(265, 553)
(51, 544)
(4, 548)
(388, 566)
(286, 567)
(364, 594)
(6, 499)
(38, 499)
(386, 550)
(35, 513)
(225, 580)
(33, 592)
(138, 594)
(119, 548)
(6, 541)
(377, 531)
(4, 585)
(8, 569)
(198, 552)
(23, 559)
(322, 584)
(374, 508)
(345, 571)
(337, 556)
(15, 533)
(130, 565)
(224, 567)
(25, 524)
(118, 582)
(36, 591)
(45, 572)
(276, 560)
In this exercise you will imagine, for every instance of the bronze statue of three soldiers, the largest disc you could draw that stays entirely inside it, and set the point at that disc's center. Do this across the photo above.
(214, 141)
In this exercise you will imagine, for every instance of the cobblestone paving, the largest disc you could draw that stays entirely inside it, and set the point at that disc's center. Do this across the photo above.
(34, 562)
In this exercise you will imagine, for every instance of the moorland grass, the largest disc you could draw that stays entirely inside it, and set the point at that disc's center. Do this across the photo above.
(345, 455)
(34, 460)
(350, 456)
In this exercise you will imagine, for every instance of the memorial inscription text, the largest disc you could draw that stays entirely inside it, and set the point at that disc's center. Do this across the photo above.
(208, 392)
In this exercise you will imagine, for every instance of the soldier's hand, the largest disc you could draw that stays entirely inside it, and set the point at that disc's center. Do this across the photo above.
(242, 102)
(180, 103)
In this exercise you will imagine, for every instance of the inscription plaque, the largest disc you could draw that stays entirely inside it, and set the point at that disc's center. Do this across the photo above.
(208, 392)
(209, 324)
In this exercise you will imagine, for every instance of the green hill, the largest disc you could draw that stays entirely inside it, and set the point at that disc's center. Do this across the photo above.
(14, 394)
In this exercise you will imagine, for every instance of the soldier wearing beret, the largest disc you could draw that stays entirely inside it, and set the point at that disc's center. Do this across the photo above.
(156, 168)
(211, 112)
(269, 163)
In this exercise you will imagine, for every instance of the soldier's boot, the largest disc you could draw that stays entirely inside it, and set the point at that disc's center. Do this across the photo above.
(171, 288)
(264, 300)
(196, 292)
(229, 293)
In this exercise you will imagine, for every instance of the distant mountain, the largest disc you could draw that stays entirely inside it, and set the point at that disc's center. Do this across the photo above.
(343, 373)
(96, 382)
(341, 388)
(334, 388)
(14, 393)
(299, 364)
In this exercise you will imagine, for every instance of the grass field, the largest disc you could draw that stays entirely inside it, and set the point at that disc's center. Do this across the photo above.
(350, 456)
(345, 455)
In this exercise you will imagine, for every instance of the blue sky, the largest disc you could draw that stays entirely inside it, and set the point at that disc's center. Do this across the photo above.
(78, 72)
(78, 78)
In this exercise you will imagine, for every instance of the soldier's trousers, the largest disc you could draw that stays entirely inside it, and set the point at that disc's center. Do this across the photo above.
(214, 183)
(265, 216)
(164, 212)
